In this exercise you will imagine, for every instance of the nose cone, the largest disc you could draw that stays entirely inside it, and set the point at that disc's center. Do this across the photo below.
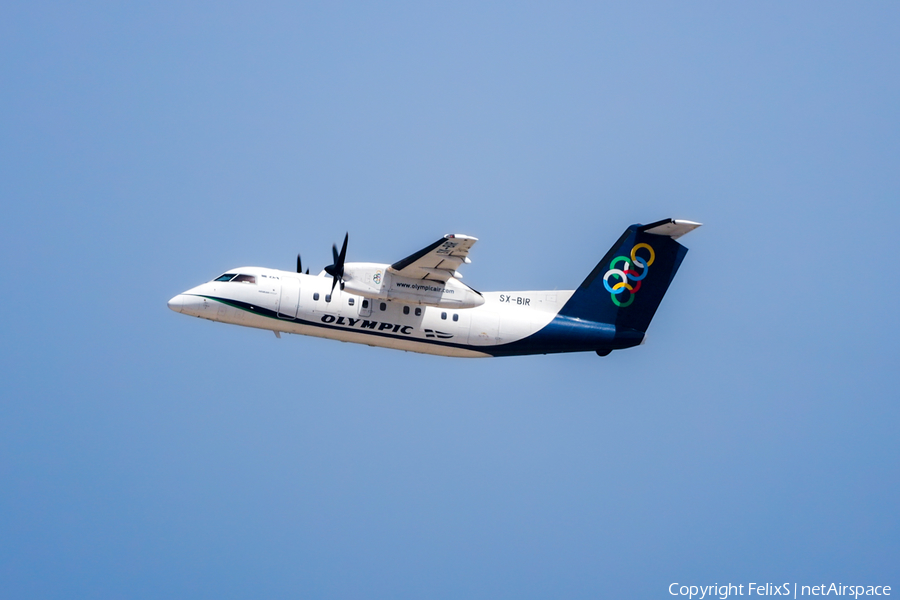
(177, 303)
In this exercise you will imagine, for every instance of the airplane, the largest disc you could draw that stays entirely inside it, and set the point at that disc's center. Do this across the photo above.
(420, 304)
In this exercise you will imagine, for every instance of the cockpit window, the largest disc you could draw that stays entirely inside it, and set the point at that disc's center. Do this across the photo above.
(235, 278)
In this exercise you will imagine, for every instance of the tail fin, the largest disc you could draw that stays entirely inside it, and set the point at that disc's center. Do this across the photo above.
(626, 287)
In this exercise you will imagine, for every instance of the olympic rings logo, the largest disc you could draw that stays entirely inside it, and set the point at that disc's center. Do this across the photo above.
(628, 274)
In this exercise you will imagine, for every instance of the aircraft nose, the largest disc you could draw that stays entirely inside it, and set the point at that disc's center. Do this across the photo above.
(176, 303)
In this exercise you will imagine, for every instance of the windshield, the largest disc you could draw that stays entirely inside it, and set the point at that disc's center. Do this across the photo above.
(236, 278)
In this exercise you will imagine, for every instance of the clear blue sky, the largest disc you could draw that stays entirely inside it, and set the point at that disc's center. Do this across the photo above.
(146, 149)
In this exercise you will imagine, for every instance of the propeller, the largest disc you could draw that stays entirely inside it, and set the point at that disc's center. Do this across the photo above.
(300, 266)
(336, 270)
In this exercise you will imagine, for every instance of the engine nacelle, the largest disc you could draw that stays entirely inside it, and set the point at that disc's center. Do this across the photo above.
(375, 281)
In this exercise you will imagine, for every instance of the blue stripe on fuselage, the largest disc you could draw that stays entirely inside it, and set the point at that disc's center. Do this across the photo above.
(568, 334)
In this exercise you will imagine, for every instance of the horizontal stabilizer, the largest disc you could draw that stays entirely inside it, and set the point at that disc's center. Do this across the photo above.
(670, 228)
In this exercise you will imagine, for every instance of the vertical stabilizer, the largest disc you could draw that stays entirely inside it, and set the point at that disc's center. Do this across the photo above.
(627, 286)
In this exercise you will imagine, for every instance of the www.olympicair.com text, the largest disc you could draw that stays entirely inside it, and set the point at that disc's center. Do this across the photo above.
(791, 590)
(423, 288)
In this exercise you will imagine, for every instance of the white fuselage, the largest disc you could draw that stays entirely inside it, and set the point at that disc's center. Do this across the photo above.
(420, 304)
(289, 302)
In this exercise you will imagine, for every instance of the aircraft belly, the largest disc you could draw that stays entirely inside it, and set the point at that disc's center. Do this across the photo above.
(347, 329)
(373, 338)
(407, 344)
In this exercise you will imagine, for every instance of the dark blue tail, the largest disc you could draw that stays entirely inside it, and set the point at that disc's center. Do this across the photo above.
(613, 307)
(627, 286)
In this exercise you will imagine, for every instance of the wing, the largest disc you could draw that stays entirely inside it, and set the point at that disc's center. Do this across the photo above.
(439, 261)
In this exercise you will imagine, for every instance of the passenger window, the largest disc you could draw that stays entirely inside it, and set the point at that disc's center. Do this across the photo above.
(350, 301)
(405, 310)
(456, 317)
(444, 316)
(244, 279)
(418, 312)
(383, 306)
(225, 277)
(327, 297)
(316, 296)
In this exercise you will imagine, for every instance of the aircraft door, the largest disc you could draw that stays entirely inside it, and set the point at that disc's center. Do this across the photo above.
(461, 323)
(365, 307)
(290, 298)
(485, 328)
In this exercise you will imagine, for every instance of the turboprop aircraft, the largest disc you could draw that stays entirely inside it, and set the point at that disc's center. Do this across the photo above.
(420, 304)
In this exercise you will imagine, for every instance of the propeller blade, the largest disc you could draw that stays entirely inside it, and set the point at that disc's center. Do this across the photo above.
(336, 270)
(299, 264)
(343, 252)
